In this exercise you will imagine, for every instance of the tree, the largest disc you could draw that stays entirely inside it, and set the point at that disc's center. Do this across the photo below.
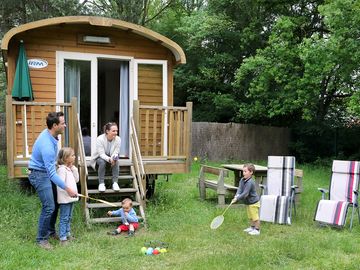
(134, 11)
(216, 39)
(309, 76)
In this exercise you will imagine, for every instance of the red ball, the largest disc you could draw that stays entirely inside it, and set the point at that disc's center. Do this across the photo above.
(156, 252)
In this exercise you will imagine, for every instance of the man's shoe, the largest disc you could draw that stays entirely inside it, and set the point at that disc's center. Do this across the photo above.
(115, 187)
(54, 236)
(102, 188)
(45, 245)
(254, 232)
(247, 230)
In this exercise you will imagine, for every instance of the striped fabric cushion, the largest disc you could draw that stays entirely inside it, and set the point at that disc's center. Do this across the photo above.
(280, 175)
(275, 209)
(331, 212)
(344, 166)
(344, 181)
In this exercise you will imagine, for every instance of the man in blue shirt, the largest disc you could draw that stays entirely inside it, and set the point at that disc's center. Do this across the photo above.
(43, 176)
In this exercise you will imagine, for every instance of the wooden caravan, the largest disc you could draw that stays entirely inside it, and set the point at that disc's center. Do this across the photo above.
(99, 70)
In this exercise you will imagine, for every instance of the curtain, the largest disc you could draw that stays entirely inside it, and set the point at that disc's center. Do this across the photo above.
(72, 88)
(72, 82)
(124, 109)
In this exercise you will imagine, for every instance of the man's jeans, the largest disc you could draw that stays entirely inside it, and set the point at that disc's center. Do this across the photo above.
(66, 210)
(47, 193)
(102, 168)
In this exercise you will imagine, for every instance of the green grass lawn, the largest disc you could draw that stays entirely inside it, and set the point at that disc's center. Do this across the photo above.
(176, 215)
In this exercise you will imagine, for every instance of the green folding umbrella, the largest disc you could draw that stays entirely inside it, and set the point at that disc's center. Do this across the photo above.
(22, 89)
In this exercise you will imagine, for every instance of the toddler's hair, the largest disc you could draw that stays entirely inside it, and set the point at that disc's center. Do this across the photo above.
(64, 154)
(250, 167)
(126, 201)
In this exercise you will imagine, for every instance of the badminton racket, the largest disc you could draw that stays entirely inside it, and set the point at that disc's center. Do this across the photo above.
(217, 221)
(99, 200)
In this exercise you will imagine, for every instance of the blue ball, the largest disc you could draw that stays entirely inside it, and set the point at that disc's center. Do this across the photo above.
(149, 251)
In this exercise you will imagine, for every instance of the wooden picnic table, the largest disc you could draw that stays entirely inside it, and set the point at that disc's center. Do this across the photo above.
(259, 175)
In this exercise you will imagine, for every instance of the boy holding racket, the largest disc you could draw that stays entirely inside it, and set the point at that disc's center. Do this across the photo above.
(247, 192)
(130, 221)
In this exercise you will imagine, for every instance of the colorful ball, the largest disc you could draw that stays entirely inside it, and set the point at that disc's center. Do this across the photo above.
(149, 251)
(143, 250)
(163, 250)
(156, 252)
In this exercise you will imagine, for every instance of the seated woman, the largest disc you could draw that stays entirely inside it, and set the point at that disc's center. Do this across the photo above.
(107, 153)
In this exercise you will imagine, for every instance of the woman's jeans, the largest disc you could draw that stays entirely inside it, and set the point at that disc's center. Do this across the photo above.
(47, 194)
(102, 168)
(66, 210)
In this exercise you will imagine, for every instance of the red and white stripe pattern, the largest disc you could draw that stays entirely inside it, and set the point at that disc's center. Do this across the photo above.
(331, 212)
(344, 181)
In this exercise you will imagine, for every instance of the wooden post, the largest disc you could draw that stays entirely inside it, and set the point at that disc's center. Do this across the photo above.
(74, 129)
(221, 188)
(136, 117)
(189, 136)
(10, 136)
(202, 188)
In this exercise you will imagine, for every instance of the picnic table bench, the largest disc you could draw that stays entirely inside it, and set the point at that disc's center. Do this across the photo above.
(218, 185)
(222, 188)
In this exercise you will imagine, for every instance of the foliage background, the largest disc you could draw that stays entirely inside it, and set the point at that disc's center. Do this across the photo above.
(288, 63)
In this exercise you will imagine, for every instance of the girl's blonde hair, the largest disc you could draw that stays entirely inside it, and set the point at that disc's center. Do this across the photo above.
(64, 154)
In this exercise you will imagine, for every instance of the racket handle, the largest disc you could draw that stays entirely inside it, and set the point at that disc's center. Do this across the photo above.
(228, 207)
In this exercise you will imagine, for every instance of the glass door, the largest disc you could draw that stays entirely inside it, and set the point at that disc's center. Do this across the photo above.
(102, 85)
(77, 77)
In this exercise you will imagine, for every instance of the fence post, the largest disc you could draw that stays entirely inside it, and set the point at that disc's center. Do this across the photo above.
(189, 135)
(10, 136)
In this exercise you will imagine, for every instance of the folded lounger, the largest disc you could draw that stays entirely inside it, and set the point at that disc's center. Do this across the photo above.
(278, 193)
(343, 192)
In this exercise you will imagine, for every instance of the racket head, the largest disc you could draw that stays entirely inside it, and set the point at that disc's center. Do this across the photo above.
(216, 222)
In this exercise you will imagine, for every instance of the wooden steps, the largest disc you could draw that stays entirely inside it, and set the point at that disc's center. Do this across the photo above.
(103, 205)
(95, 212)
(111, 219)
(110, 191)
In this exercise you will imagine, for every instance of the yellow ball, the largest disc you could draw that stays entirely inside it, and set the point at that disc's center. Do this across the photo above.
(163, 250)
(143, 250)
(195, 158)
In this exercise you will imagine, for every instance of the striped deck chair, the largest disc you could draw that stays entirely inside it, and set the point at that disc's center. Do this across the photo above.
(344, 186)
(278, 194)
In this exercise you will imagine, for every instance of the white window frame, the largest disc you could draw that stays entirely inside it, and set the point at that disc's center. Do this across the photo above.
(93, 58)
(164, 64)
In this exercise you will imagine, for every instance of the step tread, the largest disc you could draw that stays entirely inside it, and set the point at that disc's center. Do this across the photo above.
(110, 191)
(109, 219)
(95, 177)
(103, 205)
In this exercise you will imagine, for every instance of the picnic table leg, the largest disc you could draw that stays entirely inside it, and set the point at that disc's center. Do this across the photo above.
(237, 177)
(202, 188)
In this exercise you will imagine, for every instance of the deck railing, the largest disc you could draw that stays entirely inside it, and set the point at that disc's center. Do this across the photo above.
(25, 121)
(137, 161)
(164, 131)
